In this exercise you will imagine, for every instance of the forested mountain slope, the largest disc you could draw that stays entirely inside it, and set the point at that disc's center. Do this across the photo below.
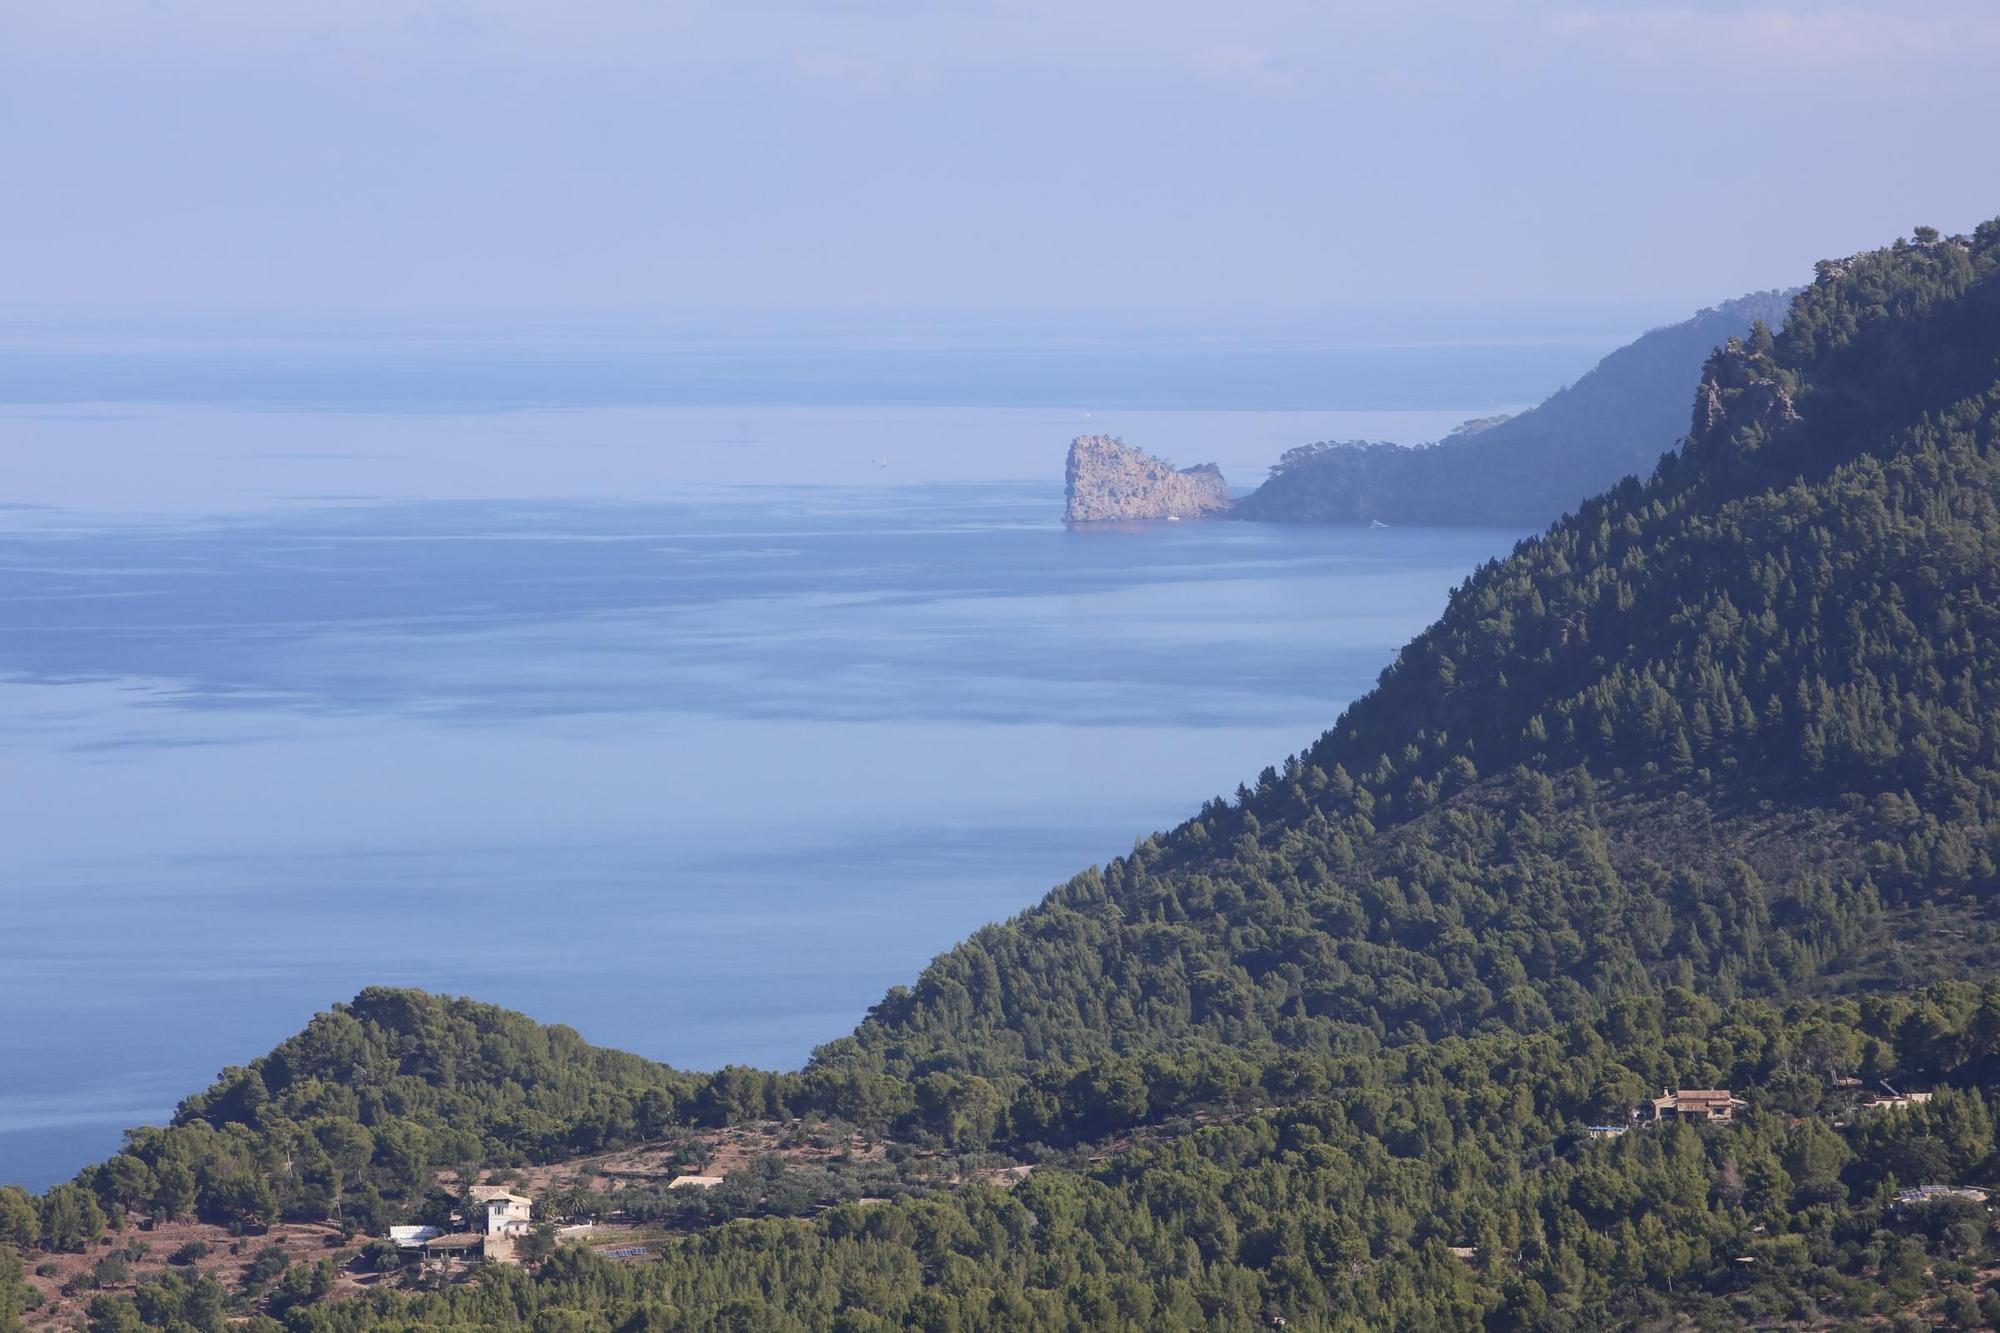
(1530, 469)
(1738, 722)
(1698, 788)
(1438, 1185)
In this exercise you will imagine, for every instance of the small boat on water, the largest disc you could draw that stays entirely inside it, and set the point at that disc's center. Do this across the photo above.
(1173, 518)
(1377, 523)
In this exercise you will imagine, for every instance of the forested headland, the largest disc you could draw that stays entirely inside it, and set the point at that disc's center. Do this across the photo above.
(1527, 470)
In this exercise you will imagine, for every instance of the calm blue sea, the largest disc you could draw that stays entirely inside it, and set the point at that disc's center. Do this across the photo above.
(695, 729)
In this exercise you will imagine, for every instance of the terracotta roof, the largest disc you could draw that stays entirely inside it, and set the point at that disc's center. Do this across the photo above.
(459, 1240)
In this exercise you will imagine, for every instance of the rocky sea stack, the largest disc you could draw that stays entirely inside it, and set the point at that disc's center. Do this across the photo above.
(1108, 481)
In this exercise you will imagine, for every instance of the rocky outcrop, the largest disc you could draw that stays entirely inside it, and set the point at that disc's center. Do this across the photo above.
(1108, 481)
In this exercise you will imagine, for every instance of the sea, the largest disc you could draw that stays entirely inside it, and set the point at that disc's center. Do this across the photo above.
(694, 727)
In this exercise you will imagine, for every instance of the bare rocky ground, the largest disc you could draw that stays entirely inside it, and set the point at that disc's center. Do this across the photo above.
(228, 1259)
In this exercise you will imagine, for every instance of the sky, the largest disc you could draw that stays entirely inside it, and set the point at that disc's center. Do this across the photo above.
(1423, 166)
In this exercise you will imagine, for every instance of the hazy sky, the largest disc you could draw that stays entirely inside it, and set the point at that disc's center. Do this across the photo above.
(674, 157)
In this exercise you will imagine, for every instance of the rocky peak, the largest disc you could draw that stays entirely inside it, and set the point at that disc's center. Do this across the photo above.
(1743, 399)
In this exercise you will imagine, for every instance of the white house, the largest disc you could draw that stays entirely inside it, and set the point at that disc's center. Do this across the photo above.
(507, 1214)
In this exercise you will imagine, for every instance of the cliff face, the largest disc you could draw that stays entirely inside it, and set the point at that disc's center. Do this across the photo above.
(1527, 470)
(1107, 481)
